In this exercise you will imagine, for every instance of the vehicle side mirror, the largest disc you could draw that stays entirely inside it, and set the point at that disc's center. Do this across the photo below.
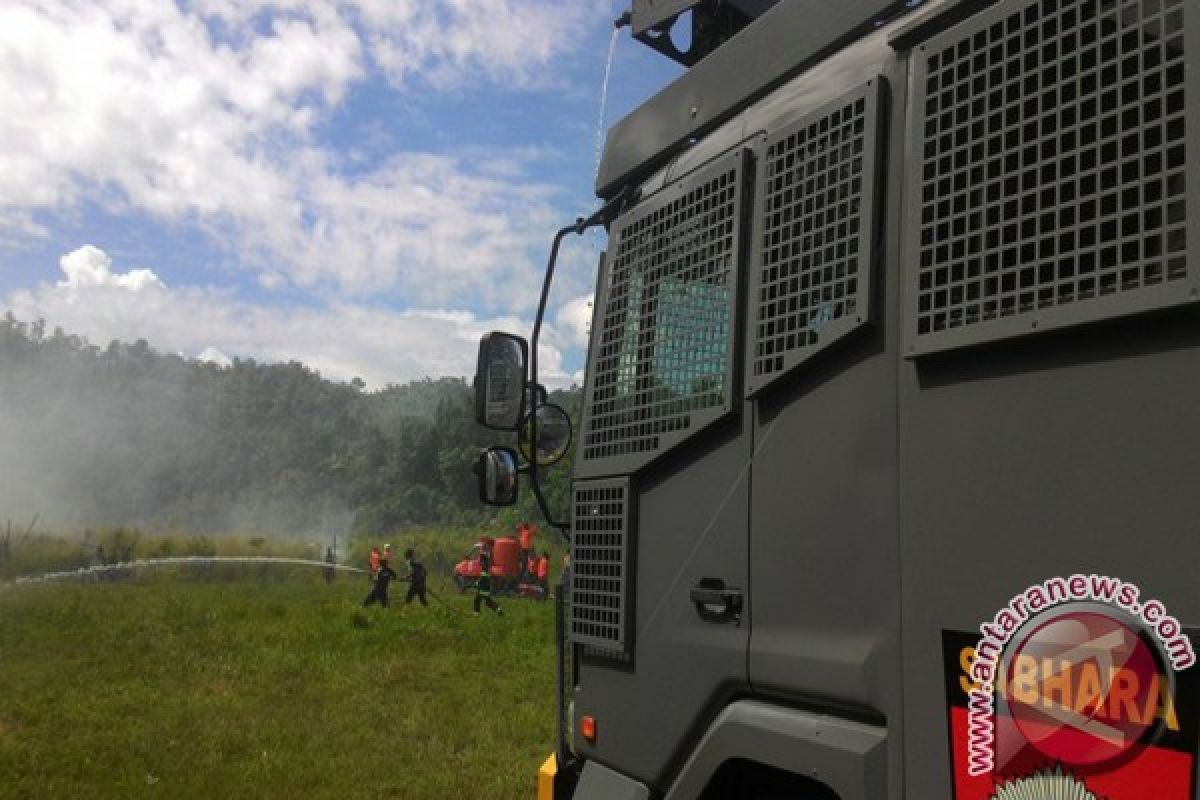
(500, 381)
(553, 435)
(496, 470)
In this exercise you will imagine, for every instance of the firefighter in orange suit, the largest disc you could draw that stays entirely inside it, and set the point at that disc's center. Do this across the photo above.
(543, 574)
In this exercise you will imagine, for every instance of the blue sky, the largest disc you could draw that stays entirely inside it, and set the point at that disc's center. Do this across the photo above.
(361, 185)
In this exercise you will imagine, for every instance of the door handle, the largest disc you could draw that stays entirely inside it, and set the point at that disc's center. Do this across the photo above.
(716, 602)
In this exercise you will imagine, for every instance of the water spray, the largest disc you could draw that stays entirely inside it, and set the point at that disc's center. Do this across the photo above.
(612, 49)
(99, 569)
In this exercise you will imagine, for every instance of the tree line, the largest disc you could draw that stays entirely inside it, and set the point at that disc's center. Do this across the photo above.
(126, 435)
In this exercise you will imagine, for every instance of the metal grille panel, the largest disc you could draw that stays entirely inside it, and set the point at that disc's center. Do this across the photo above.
(816, 209)
(663, 345)
(1053, 185)
(601, 566)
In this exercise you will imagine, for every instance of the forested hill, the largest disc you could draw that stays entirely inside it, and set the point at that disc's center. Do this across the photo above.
(125, 435)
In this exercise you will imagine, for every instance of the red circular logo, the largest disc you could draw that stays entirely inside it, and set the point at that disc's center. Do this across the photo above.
(1083, 688)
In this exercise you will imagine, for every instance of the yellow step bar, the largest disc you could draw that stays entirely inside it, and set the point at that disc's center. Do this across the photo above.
(545, 780)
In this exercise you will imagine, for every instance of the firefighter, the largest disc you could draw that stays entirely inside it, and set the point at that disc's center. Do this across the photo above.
(525, 537)
(416, 578)
(483, 587)
(543, 574)
(379, 591)
(373, 564)
(529, 566)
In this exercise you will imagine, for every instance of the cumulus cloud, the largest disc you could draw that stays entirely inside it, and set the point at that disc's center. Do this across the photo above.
(207, 113)
(340, 339)
(90, 267)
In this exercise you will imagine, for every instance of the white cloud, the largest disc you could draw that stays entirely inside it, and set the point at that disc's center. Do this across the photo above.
(16, 224)
(432, 228)
(452, 41)
(138, 98)
(341, 340)
(208, 114)
(575, 320)
(214, 356)
(551, 370)
(90, 267)
(444, 43)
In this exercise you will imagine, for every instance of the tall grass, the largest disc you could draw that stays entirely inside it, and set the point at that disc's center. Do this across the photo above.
(268, 689)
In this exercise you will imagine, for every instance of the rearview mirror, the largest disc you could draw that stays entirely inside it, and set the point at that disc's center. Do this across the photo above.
(553, 435)
(500, 381)
(496, 470)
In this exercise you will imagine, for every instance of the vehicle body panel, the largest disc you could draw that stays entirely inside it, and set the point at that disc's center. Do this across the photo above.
(883, 492)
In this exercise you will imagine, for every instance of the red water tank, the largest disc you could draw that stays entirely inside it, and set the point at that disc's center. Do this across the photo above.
(505, 556)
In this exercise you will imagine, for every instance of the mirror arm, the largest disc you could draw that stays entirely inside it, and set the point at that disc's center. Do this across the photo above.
(563, 528)
(606, 214)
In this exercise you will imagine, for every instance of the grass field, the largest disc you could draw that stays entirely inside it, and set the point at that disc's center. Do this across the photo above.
(172, 687)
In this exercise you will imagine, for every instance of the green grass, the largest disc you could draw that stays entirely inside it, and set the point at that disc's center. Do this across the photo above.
(175, 688)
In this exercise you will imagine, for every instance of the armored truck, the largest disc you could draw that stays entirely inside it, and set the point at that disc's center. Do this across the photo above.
(898, 318)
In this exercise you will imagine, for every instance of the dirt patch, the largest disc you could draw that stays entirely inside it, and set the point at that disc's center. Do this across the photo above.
(8, 727)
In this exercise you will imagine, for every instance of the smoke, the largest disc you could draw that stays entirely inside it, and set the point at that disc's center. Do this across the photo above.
(122, 435)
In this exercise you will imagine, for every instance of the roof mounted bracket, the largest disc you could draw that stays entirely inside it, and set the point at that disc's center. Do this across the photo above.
(712, 22)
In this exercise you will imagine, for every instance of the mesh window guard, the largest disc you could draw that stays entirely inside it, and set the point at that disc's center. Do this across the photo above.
(663, 338)
(814, 235)
(601, 568)
(1053, 170)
